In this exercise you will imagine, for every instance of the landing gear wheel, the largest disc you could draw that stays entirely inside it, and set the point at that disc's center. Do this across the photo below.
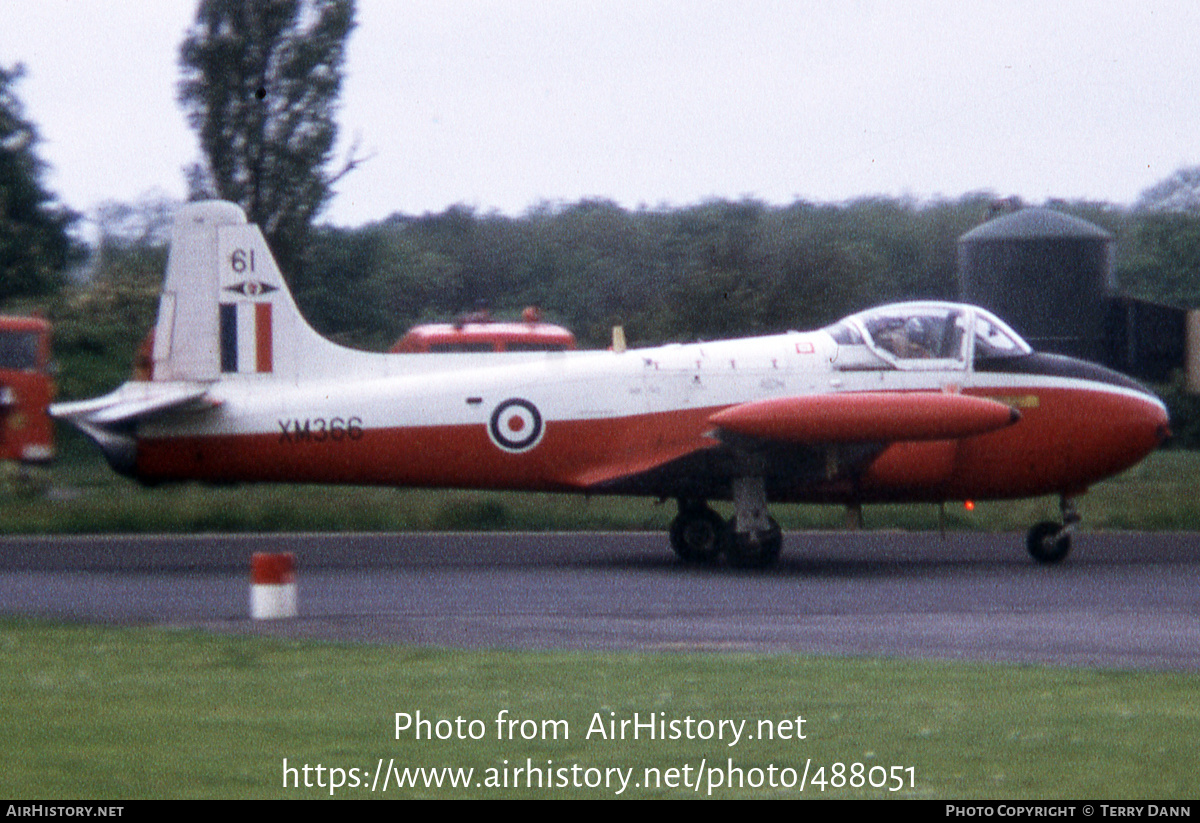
(753, 550)
(697, 534)
(1048, 542)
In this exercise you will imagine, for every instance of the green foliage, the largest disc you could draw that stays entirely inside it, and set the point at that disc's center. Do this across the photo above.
(720, 268)
(1178, 193)
(99, 325)
(98, 329)
(1183, 409)
(715, 269)
(1164, 262)
(34, 245)
(342, 297)
(260, 84)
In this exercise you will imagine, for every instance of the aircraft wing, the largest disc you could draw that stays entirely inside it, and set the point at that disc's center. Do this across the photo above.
(866, 417)
(624, 470)
(788, 433)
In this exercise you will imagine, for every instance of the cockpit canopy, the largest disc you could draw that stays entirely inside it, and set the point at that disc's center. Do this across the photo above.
(918, 336)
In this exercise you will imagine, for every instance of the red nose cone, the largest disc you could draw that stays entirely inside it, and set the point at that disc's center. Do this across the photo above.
(1131, 428)
(1152, 423)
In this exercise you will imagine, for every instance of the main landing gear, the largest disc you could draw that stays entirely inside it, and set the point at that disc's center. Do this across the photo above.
(751, 539)
(1049, 542)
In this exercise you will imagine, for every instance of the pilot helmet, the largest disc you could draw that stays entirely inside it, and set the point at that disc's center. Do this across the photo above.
(915, 328)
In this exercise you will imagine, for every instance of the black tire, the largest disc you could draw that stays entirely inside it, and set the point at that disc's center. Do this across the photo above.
(1048, 543)
(753, 550)
(698, 535)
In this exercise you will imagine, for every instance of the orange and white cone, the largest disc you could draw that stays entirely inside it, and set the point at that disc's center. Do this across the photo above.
(272, 586)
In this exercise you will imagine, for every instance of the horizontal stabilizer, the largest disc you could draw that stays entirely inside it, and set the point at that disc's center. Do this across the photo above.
(109, 420)
(133, 401)
(867, 417)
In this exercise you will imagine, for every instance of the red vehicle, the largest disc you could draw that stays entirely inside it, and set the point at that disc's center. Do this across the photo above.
(26, 389)
(477, 332)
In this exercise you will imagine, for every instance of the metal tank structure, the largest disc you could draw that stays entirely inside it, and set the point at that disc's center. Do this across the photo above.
(1050, 275)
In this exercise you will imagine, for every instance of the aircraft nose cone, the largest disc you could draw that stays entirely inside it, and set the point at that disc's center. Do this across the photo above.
(1116, 431)
(1161, 421)
(1116, 426)
(1145, 426)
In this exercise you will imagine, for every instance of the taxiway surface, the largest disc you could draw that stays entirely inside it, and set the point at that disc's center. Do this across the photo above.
(1122, 600)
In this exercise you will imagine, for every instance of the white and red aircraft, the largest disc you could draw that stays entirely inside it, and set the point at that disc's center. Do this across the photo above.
(910, 402)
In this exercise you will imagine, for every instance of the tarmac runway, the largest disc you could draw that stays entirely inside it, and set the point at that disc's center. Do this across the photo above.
(1121, 600)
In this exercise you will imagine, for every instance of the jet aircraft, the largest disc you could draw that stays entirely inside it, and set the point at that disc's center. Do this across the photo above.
(927, 401)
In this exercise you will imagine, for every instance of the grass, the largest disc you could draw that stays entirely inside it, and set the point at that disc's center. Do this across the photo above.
(124, 713)
(81, 495)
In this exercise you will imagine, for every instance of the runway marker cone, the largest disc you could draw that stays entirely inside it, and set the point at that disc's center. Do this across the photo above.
(272, 585)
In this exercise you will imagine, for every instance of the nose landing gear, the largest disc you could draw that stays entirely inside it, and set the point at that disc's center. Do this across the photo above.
(1049, 542)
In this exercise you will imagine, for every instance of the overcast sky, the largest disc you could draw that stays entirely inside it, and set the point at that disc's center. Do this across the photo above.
(500, 105)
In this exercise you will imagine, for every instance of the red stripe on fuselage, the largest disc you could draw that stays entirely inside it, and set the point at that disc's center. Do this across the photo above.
(462, 456)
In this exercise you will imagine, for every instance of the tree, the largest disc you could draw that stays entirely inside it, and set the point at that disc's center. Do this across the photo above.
(260, 85)
(101, 324)
(1178, 193)
(34, 244)
(1161, 260)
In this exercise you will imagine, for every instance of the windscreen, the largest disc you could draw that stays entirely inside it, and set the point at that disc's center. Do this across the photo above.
(993, 339)
(19, 350)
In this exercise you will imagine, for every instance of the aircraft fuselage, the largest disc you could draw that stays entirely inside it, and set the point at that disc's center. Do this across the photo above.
(579, 419)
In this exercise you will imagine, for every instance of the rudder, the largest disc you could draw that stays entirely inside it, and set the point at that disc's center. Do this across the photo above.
(225, 308)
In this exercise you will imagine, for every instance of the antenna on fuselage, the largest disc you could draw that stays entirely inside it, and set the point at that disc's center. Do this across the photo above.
(618, 343)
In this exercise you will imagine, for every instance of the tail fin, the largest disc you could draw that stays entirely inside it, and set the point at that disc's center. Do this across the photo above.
(224, 306)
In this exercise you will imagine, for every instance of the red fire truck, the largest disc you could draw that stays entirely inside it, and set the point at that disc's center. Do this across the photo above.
(26, 389)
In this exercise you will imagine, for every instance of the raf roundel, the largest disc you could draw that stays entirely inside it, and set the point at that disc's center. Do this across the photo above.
(251, 288)
(516, 425)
